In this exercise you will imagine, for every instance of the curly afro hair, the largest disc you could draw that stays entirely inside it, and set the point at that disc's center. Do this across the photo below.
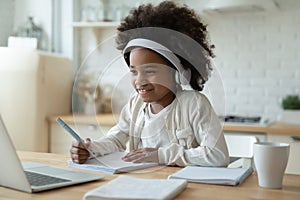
(169, 16)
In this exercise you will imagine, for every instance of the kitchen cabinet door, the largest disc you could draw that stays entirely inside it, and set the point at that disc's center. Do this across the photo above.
(60, 140)
(293, 166)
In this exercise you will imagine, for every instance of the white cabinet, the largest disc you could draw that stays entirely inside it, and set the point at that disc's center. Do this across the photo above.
(33, 85)
(293, 166)
(240, 145)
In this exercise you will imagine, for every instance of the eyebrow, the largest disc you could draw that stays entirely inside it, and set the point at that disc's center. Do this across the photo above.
(146, 66)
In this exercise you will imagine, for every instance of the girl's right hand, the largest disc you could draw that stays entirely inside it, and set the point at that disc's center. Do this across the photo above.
(78, 152)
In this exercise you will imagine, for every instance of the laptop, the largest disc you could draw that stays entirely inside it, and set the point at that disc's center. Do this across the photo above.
(31, 176)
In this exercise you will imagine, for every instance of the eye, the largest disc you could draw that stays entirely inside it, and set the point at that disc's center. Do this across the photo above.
(150, 72)
(133, 72)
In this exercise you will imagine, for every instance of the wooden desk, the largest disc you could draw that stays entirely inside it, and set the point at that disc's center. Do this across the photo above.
(247, 190)
(93, 126)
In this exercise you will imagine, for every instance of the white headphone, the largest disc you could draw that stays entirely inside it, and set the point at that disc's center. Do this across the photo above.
(184, 75)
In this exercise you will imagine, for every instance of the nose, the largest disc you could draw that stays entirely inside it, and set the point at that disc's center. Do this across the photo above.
(140, 80)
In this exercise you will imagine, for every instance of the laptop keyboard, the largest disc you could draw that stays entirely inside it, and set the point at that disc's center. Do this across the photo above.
(36, 179)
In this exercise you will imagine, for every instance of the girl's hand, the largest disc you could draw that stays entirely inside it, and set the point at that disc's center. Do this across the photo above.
(78, 152)
(142, 155)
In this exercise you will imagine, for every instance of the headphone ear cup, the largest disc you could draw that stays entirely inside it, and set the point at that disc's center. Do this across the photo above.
(177, 77)
(184, 78)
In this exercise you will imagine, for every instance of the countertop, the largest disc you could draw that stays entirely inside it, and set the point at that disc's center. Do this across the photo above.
(277, 127)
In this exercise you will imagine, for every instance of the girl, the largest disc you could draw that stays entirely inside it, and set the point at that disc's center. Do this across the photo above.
(165, 48)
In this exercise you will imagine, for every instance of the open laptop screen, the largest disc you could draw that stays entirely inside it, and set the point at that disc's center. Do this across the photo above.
(12, 174)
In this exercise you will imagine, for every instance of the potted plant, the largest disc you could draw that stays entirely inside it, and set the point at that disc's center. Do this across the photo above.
(291, 109)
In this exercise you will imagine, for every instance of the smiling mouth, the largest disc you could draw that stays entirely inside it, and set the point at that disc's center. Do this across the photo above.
(143, 91)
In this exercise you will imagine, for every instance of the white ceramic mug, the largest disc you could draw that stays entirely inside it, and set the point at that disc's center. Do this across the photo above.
(270, 160)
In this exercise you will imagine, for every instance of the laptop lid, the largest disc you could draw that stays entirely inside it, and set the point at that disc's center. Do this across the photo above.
(12, 173)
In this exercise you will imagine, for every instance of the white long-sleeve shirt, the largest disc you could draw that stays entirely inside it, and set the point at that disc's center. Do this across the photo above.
(194, 132)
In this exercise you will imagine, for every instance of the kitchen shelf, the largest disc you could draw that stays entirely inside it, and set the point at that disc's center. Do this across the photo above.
(95, 24)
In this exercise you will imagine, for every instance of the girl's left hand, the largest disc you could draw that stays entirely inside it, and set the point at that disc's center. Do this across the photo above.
(142, 155)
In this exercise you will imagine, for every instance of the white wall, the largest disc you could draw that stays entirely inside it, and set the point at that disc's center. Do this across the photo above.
(66, 28)
(6, 20)
(258, 57)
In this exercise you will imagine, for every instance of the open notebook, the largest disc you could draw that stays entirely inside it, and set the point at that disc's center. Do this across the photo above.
(111, 164)
(31, 176)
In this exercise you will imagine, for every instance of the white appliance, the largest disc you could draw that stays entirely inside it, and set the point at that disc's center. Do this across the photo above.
(33, 85)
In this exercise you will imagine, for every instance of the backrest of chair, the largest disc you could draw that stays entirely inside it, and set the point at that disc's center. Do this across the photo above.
(240, 145)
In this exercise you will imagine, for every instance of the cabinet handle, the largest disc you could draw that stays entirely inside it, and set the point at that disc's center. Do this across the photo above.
(92, 127)
(295, 138)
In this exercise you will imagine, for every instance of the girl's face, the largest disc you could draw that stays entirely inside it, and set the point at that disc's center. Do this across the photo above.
(151, 77)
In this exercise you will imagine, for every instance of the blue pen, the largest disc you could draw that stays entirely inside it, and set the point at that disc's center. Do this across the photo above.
(74, 134)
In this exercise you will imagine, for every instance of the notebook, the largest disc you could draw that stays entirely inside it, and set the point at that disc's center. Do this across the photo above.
(213, 175)
(34, 177)
(111, 164)
(127, 187)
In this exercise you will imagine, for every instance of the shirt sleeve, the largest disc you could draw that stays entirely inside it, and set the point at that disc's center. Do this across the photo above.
(211, 148)
(176, 154)
(116, 138)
